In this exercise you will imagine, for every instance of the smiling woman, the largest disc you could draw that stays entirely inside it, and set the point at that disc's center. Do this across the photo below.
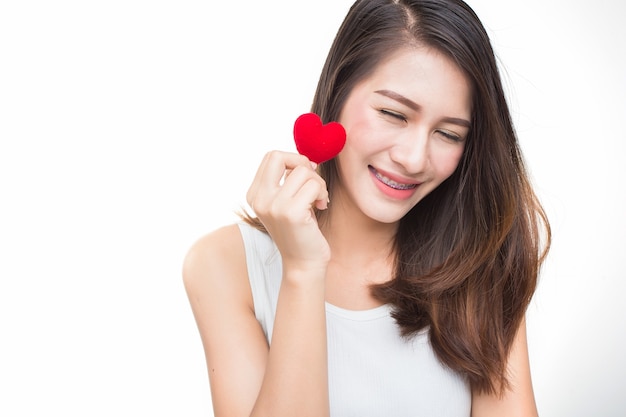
(406, 295)
(402, 125)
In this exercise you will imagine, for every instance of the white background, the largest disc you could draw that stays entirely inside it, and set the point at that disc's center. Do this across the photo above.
(130, 128)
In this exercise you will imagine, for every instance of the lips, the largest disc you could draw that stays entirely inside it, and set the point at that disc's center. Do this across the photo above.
(395, 183)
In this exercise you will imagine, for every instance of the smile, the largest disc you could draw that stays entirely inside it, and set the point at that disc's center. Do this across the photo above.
(391, 183)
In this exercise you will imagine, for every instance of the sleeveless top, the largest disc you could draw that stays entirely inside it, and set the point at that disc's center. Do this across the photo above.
(372, 370)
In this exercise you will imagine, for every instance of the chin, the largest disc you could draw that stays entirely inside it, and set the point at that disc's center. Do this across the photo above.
(386, 215)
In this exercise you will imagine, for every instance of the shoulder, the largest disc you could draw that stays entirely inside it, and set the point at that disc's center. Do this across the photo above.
(216, 264)
(219, 246)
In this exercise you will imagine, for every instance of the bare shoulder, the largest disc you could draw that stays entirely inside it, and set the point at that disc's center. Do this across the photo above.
(219, 241)
(215, 265)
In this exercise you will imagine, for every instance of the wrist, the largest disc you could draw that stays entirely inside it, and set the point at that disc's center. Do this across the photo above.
(305, 274)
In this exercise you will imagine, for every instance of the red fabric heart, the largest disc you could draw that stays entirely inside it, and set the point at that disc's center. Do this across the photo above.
(316, 141)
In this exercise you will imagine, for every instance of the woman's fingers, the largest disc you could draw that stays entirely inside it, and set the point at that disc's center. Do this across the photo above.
(275, 179)
(300, 177)
(313, 191)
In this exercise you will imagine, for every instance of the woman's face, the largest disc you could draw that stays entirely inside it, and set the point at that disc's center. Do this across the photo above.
(406, 127)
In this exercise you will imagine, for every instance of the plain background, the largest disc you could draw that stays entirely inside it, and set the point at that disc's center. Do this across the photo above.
(130, 128)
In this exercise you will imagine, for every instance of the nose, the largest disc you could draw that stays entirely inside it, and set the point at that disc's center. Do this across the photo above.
(412, 151)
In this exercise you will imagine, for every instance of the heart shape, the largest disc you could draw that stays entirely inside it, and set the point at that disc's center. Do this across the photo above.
(318, 142)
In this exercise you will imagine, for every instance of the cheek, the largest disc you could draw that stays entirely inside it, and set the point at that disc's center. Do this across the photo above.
(360, 137)
(448, 160)
(357, 121)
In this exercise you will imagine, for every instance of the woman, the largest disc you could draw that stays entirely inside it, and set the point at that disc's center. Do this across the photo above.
(392, 280)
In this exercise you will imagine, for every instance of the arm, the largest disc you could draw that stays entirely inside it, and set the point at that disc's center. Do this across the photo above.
(214, 274)
(519, 401)
(296, 376)
(247, 377)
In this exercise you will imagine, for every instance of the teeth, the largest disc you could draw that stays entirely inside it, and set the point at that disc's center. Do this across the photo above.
(391, 183)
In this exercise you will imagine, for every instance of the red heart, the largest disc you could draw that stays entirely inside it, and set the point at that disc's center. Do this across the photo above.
(316, 141)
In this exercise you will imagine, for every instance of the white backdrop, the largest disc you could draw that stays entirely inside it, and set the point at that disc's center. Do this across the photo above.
(129, 128)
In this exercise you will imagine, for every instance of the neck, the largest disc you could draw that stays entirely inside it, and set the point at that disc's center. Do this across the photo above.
(357, 241)
(361, 255)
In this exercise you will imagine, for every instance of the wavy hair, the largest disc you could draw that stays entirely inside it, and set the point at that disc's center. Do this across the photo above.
(467, 256)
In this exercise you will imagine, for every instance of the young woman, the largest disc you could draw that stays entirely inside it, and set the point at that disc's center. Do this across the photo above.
(392, 280)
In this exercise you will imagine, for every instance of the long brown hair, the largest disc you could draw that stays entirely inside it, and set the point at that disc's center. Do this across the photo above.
(468, 255)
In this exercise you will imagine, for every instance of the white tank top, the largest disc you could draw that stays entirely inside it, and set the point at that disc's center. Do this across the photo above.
(372, 370)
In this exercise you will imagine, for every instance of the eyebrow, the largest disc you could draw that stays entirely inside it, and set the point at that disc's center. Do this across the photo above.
(416, 107)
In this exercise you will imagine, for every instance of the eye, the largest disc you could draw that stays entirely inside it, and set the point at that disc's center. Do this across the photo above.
(450, 136)
(393, 115)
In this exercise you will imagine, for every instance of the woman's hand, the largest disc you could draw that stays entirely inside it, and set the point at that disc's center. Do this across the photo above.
(283, 193)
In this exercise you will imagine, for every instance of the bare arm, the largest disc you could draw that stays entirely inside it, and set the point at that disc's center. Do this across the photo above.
(247, 377)
(519, 401)
(296, 376)
(214, 275)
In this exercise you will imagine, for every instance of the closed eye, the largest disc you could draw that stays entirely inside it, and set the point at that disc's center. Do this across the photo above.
(450, 136)
(393, 114)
